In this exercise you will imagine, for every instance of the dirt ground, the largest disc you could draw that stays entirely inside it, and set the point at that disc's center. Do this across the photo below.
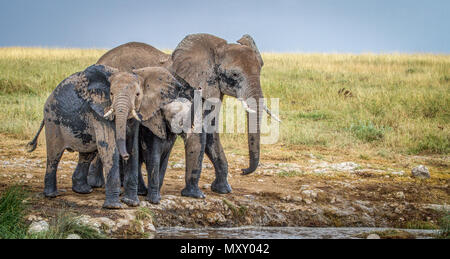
(300, 186)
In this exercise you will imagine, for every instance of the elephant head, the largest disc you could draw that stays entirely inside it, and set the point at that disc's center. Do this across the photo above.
(165, 101)
(216, 67)
(145, 95)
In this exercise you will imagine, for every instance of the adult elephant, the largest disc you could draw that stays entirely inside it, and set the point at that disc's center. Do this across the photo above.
(218, 68)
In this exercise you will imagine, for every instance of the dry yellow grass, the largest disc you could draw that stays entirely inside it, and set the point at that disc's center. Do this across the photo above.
(398, 103)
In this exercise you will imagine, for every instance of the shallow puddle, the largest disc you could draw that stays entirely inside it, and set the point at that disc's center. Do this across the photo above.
(275, 233)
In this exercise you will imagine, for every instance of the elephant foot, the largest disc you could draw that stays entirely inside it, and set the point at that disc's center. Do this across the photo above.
(220, 187)
(82, 188)
(96, 182)
(142, 191)
(51, 194)
(113, 205)
(193, 193)
(153, 198)
(131, 202)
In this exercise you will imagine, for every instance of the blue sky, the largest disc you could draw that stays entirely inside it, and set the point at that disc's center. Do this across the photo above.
(281, 26)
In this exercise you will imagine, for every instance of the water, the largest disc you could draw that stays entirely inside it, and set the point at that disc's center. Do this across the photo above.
(274, 233)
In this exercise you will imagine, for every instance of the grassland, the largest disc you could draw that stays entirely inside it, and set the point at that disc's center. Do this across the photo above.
(392, 103)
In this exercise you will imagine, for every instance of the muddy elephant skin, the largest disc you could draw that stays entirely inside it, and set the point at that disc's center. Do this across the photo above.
(210, 64)
(74, 120)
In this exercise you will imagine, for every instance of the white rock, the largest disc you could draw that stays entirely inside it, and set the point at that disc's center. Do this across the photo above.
(399, 195)
(73, 236)
(38, 227)
(373, 236)
(401, 173)
(206, 186)
(420, 172)
(150, 227)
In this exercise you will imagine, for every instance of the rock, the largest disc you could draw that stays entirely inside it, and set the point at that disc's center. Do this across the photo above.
(249, 196)
(420, 172)
(373, 236)
(178, 165)
(73, 236)
(399, 195)
(206, 186)
(401, 173)
(150, 227)
(38, 227)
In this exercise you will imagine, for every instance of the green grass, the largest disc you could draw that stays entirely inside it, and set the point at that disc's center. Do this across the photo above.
(399, 103)
(289, 173)
(367, 132)
(65, 224)
(13, 207)
(12, 212)
(444, 226)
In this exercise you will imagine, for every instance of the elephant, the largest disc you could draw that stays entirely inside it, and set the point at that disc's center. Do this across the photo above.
(98, 111)
(217, 68)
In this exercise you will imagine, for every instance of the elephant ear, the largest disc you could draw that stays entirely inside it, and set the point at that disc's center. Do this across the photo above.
(159, 89)
(94, 87)
(194, 60)
(248, 41)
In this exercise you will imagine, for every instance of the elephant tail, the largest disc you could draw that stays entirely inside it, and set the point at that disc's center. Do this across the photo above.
(31, 146)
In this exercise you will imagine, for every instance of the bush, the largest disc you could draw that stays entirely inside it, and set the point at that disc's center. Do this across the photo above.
(367, 131)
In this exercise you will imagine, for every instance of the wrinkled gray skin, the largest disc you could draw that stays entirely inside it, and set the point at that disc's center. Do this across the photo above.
(74, 121)
(217, 68)
(99, 110)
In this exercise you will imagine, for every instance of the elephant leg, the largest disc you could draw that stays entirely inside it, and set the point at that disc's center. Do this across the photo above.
(50, 180)
(142, 189)
(55, 150)
(215, 153)
(79, 177)
(152, 163)
(96, 179)
(163, 169)
(109, 154)
(165, 159)
(130, 180)
(194, 151)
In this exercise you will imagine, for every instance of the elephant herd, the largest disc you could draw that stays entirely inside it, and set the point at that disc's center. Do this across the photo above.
(129, 107)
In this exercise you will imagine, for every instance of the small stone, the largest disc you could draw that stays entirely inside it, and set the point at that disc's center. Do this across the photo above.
(399, 195)
(150, 227)
(38, 227)
(373, 236)
(401, 173)
(420, 172)
(206, 186)
(73, 236)
(249, 196)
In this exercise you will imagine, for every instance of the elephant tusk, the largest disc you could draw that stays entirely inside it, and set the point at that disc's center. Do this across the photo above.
(135, 115)
(271, 114)
(244, 104)
(108, 113)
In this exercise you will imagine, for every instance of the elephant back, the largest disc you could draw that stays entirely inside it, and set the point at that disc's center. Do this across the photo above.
(135, 55)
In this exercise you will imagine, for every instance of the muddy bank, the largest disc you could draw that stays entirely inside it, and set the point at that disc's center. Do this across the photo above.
(326, 190)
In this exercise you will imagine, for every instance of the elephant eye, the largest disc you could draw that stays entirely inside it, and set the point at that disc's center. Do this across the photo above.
(137, 94)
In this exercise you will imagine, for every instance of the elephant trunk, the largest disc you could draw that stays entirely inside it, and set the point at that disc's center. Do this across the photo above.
(122, 109)
(252, 99)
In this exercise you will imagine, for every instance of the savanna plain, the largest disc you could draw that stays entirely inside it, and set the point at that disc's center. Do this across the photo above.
(353, 127)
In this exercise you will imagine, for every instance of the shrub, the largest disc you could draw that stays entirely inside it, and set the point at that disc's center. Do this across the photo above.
(367, 131)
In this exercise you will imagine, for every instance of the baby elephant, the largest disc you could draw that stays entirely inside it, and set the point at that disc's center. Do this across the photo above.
(90, 112)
